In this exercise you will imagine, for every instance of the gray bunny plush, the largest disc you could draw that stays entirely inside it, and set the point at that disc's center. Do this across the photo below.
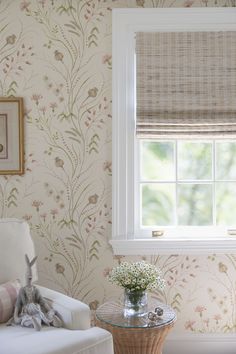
(31, 310)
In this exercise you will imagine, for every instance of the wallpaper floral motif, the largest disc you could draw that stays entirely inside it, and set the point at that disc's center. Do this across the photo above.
(57, 55)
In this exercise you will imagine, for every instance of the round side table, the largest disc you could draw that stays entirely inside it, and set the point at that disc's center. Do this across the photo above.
(135, 335)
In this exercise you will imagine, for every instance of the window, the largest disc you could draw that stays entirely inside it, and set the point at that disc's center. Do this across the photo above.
(179, 187)
(187, 183)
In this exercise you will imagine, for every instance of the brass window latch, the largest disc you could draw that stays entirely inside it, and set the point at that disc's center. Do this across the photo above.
(231, 232)
(158, 233)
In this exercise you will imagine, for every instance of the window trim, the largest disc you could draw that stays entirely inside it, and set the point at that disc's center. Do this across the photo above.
(125, 23)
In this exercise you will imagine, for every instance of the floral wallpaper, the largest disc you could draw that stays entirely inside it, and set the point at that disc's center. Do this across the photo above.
(57, 55)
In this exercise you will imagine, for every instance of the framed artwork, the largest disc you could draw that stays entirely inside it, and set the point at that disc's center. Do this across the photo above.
(11, 136)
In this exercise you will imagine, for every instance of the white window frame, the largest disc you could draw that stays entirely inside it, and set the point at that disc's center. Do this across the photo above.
(126, 240)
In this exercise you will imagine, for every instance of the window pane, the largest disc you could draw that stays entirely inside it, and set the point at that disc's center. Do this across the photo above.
(158, 204)
(195, 204)
(194, 160)
(226, 160)
(226, 203)
(157, 160)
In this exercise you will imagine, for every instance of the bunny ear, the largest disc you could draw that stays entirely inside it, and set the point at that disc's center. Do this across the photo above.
(27, 260)
(33, 261)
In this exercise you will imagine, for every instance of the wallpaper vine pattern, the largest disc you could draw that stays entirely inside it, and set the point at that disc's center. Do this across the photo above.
(57, 55)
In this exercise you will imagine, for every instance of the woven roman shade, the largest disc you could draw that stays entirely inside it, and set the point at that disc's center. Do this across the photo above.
(186, 84)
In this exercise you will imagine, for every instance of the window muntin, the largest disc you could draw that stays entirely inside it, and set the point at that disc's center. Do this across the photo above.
(186, 183)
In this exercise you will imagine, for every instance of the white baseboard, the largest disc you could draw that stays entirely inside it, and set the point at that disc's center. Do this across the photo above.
(189, 343)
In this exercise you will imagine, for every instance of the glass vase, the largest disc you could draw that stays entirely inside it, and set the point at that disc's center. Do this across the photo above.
(135, 303)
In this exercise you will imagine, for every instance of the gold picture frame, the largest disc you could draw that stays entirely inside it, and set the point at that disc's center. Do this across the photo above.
(11, 136)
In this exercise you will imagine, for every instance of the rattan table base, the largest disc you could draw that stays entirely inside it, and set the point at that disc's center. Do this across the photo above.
(137, 340)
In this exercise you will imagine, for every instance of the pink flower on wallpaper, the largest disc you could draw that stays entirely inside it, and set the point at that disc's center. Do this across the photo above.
(11, 39)
(59, 162)
(189, 325)
(53, 105)
(107, 166)
(24, 5)
(58, 55)
(188, 3)
(36, 97)
(106, 271)
(42, 2)
(93, 199)
(27, 217)
(43, 109)
(43, 216)
(200, 309)
(106, 59)
(93, 92)
(217, 318)
(54, 212)
(37, 204)
(140, 3)
(118, 258)
(222, 267)
(60, 269)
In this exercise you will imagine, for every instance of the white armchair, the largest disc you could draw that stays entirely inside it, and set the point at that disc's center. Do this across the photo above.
(76, 336)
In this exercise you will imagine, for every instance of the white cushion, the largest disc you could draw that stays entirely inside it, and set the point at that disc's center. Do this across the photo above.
(15, 242)
(50, 340)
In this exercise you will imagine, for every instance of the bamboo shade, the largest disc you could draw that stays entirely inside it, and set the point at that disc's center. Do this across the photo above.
(186, 84)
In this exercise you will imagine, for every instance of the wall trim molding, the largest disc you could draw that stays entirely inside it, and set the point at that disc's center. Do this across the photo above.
(198, 343)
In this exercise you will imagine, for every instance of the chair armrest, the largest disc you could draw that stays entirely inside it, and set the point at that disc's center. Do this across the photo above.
(74, 313)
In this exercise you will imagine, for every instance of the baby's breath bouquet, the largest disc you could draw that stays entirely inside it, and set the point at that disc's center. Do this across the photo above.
(136, 278)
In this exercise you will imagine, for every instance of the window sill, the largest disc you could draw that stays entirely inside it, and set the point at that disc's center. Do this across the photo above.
(219, 245)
